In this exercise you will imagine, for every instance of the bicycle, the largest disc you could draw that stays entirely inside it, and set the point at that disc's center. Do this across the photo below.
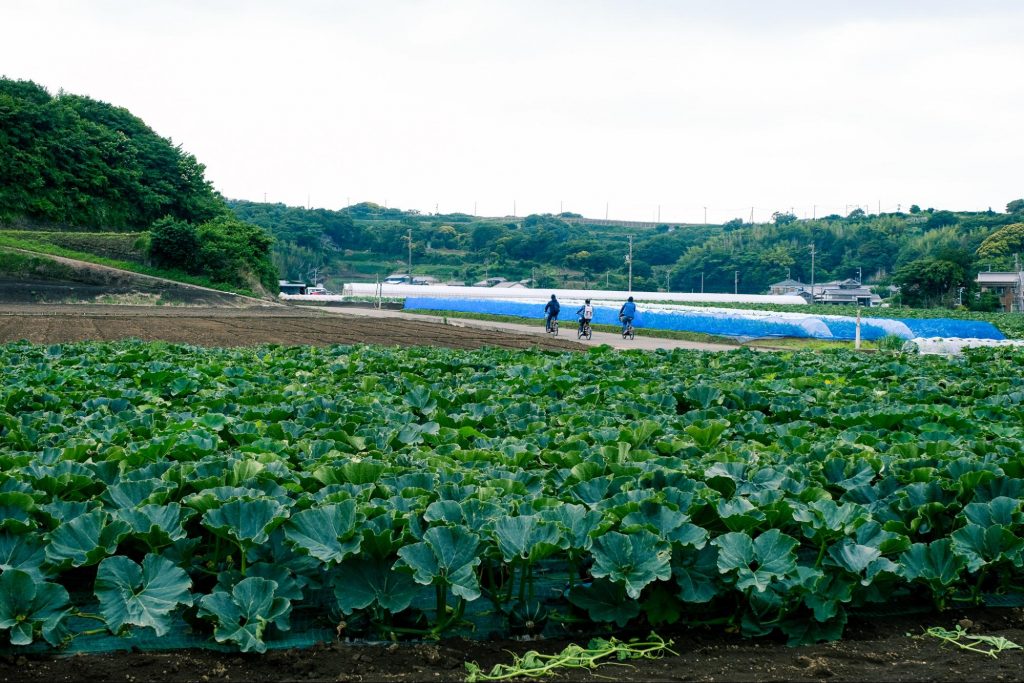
(584, 331)
(553, 328)
(628, 332)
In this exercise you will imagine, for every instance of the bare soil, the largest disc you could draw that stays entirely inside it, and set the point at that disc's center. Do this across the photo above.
(209, 326)
(890, 649)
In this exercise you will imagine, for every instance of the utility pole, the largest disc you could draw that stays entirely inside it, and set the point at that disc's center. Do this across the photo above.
(814, 212)
(668, 283)
(705, 215)
(474, 207)
(736, 282)
(860, 278)
(659, 213)
(410, 256)
(629, 260)
(812, 273)
(560, 206)
(751, 215)
(513, 208)
(702, 282)
(606, 210)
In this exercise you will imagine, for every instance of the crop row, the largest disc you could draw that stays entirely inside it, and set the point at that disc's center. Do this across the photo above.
(152, 485)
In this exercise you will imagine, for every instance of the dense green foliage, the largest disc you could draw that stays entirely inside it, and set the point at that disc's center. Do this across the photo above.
(76, 164)
(71, 160)
(929, 253)
(225, 250)
(392, 488)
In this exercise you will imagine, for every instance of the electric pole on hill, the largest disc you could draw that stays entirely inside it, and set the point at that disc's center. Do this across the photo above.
(812, 273)
(629, 260)
(410, 255)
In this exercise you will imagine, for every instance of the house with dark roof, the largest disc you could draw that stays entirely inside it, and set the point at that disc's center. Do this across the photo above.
(787, 286)
(1007, 285)
(845, 292)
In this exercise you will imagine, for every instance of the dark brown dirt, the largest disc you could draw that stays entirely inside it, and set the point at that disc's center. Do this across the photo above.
(206, 326)
(891, 649)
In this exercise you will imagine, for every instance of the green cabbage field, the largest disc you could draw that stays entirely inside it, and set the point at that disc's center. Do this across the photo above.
(393, 492)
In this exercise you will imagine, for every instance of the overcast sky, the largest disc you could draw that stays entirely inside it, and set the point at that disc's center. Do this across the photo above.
(814, 106)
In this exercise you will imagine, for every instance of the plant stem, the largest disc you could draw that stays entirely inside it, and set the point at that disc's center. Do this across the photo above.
(441, 593)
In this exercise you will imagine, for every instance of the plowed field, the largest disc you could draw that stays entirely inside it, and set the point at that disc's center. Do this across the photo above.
(51, 324)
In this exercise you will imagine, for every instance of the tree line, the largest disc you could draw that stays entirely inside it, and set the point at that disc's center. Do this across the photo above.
(928, 253)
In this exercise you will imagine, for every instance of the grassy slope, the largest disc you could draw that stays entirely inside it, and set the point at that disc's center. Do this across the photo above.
(18, 240)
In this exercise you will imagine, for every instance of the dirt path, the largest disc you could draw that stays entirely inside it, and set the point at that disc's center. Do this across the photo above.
(536, 328)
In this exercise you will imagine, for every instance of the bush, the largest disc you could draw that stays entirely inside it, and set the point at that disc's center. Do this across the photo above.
(236, 253)
(174, 244)
(890, 342)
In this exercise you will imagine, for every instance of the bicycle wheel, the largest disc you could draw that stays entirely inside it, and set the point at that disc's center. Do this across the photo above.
(588, 333)
(554, 327)
(631, 332)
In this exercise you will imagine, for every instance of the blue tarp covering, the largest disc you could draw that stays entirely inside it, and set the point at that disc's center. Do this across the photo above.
(733, 323)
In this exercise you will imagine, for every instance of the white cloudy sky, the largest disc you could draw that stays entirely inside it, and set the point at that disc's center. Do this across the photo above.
(809, 105)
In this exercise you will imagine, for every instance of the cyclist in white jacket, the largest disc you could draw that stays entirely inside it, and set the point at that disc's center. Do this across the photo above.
(585, 314)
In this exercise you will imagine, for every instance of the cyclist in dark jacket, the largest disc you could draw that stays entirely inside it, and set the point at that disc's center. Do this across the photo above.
(551, 310)
(627, 313)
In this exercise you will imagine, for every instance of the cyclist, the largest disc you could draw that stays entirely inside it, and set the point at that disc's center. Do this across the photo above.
(586, 314)
(551, 310)
(627, 313)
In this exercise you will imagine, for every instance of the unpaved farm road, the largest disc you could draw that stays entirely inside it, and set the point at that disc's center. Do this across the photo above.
(291, 325)
(566, 331)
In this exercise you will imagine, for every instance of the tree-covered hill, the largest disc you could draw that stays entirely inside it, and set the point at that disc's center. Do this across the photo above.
(71, 163)
(70, 160)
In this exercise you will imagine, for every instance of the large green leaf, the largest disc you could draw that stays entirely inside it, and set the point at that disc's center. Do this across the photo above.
(133, 493)
(446, 556)
(15, 511)
(1001, 510)
(247, 522)
(328, 533)
(29, 606)
(696, 573)
(605, 601)
(242, 616)
(577, 523)
(657, 517)
(86, 540)
(634, 560)
(934, 564)
(141, 596)
(980, 546)
(852, 556)
(757, 562)
(157, 525)
(25, 552)
(362, 581)
(526, 537)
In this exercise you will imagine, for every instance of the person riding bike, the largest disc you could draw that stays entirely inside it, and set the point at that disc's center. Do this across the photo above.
(551, 310)
(586, 314)
(627, 313)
